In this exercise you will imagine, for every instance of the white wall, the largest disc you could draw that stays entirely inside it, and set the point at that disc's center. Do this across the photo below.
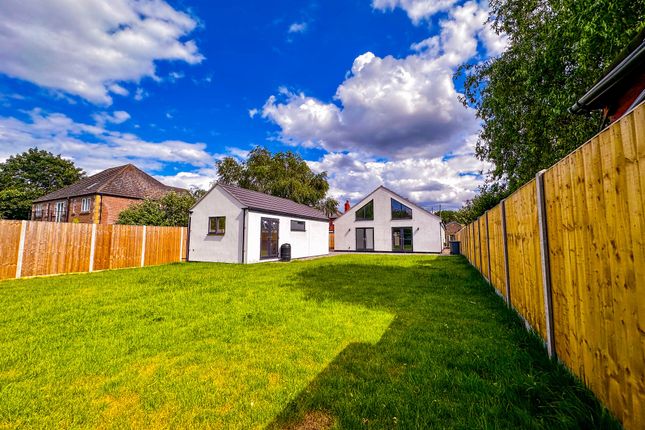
(426, 228)
(311, 242)
(205, 247)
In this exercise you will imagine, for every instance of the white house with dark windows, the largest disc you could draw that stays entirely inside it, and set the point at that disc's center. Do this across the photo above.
(386, 222)
(235, 225)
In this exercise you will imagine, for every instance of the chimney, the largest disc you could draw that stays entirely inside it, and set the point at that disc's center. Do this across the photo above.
(347, 206)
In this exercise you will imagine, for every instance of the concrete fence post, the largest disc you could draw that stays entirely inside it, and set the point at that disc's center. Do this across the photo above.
(507, 276)
(21, 248)
(490, 280)
(92, 248)
(143, 248)
(544, 258)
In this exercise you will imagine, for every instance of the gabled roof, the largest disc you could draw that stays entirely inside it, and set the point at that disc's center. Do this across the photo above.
(261, 202)
(122, 181)
(398, 196)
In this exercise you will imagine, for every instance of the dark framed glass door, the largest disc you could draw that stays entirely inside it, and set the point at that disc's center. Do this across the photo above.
(365, 239)
(402, 239)
(269, 238)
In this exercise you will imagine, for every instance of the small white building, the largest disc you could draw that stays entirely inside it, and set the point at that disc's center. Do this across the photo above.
(386, 222)
(235, 225)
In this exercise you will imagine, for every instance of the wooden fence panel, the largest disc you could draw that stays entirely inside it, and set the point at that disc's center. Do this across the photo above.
(476, 252)
(497, 269)
(9, 243)
(126, 246)
(162, 245)
(103, 247)
(54, 248)
(332, 242)
(597, 253)
(484, 245)
(525, 270)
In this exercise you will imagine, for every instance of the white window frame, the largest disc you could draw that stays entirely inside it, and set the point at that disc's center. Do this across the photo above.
(86, 201)
(61, 207)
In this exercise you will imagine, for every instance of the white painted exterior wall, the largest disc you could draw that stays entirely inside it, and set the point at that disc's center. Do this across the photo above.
(427, 232)
(205, 247)
(312, 242)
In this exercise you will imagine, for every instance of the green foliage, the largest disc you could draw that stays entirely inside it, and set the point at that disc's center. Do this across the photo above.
(449, 216)
(558, 49)
(283, 174)
(488, 197)
(170, 210)
(374, 341)
(32, 174)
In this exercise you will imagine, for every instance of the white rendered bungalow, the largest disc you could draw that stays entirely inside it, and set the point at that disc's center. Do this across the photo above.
(235, 225)
(386, 222)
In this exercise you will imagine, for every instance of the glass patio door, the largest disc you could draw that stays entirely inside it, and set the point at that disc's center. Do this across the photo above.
(402, 239)
(365, 239)
(269, 238)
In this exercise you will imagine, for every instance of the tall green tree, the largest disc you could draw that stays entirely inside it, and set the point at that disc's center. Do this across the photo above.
(283, 174)
(557, 50)
(170, 210)
(25, 177)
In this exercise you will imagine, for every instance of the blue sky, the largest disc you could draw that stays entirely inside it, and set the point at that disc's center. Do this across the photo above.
(363, 89)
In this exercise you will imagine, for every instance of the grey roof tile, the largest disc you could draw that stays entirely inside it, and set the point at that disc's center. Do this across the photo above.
(272, 204)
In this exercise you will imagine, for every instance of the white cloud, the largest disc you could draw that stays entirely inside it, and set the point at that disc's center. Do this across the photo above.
(253, 112)
(95, 147)
(392, 107)
(430, 182)
(88, 47)
(298, 27)
(402, 115)
(201, 178)
(117, 117)
(417, 10)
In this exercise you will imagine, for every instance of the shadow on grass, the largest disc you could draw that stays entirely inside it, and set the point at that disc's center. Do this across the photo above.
(454, 357)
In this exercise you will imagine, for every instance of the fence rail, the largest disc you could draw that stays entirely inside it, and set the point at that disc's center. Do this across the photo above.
(32, 248)
(567, 251)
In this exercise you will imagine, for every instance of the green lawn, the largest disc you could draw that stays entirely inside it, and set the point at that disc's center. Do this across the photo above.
(346, 342)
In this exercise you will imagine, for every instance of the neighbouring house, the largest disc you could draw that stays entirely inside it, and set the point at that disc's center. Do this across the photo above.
(387, 222)
(621, 88)
(235, 225)
(451, 230)
(101, 197)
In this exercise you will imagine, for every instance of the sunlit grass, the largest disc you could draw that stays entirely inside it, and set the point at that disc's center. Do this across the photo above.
(369, 341)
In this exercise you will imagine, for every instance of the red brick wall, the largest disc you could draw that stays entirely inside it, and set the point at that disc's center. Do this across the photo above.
(75, 213)
(112, 206)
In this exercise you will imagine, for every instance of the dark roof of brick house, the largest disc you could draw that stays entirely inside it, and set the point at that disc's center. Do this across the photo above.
(453, 227)
(122, 181)
(261, 202)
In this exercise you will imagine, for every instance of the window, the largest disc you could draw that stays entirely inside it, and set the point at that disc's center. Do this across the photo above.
(400, 211)
(39, 211)
(297, 225)
(217, 225)
(61, 212)
(366, 213)
(85, 204)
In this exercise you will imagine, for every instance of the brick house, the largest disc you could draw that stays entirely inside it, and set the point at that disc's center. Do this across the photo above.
(451, 230)
(99, 198)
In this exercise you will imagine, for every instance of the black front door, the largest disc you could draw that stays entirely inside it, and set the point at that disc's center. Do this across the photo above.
(365, 239)
(269, 238)
(402, 239)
